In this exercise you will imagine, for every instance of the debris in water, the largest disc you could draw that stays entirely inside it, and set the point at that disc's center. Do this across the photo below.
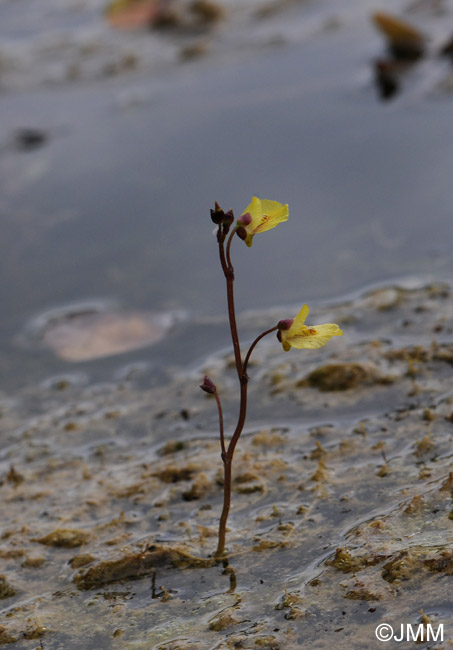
(136, 565)
(85, 333)
(28, 139)
(404, 41)
(131, 14)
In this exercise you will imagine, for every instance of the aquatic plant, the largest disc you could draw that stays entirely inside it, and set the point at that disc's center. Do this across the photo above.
(258, 217)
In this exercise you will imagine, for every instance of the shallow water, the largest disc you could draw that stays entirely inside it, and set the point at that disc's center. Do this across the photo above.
(115, 203)
(110, 213)
(341, 510)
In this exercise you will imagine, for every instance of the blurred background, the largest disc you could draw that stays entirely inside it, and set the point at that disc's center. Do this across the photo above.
(122, 123)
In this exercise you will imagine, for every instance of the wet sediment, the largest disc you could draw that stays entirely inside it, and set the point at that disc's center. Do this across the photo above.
(342, 508)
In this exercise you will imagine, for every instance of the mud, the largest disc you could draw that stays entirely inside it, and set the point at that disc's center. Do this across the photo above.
(342, 499)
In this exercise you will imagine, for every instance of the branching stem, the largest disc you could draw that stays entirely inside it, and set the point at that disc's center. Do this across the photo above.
(241, 368)
(252, 347)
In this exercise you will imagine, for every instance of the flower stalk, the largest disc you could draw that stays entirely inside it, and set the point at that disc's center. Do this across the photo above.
(259, 216)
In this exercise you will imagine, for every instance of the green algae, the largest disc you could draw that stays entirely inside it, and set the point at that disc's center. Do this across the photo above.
(64, 538)
(338, 376)
(6, 590)
(136, 565)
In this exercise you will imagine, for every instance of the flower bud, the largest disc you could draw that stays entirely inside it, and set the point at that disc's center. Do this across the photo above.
(245, 219)
(228, 217)
(208, 386)
(285, 324)
(241, 232)
(217, 215)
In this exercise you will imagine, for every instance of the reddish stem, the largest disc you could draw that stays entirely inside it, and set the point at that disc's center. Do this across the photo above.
(220, 551)
(222, 437)
(228, 271)
(251, 348)
(230, 239)
(227, 456)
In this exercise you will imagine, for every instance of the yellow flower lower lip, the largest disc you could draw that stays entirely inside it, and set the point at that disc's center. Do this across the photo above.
(301, 336)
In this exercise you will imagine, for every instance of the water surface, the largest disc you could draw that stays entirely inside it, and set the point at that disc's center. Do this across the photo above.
(115, 204)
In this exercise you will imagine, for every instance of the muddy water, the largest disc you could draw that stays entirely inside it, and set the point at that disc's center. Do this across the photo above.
(109, 464)
(342, 504)
(112, 204)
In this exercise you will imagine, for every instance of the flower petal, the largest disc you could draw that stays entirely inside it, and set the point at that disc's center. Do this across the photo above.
(315, 337)
(255, 211)
(286, 345)
(301, 317)
(272, 214)
(264, 216)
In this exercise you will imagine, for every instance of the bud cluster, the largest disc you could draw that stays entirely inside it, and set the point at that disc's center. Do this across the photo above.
(222, 219)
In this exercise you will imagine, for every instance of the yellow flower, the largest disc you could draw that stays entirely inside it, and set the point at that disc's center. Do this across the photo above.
(259, 216)
(292, 333)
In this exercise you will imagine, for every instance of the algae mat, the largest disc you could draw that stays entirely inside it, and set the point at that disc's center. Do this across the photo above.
(342, 512)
